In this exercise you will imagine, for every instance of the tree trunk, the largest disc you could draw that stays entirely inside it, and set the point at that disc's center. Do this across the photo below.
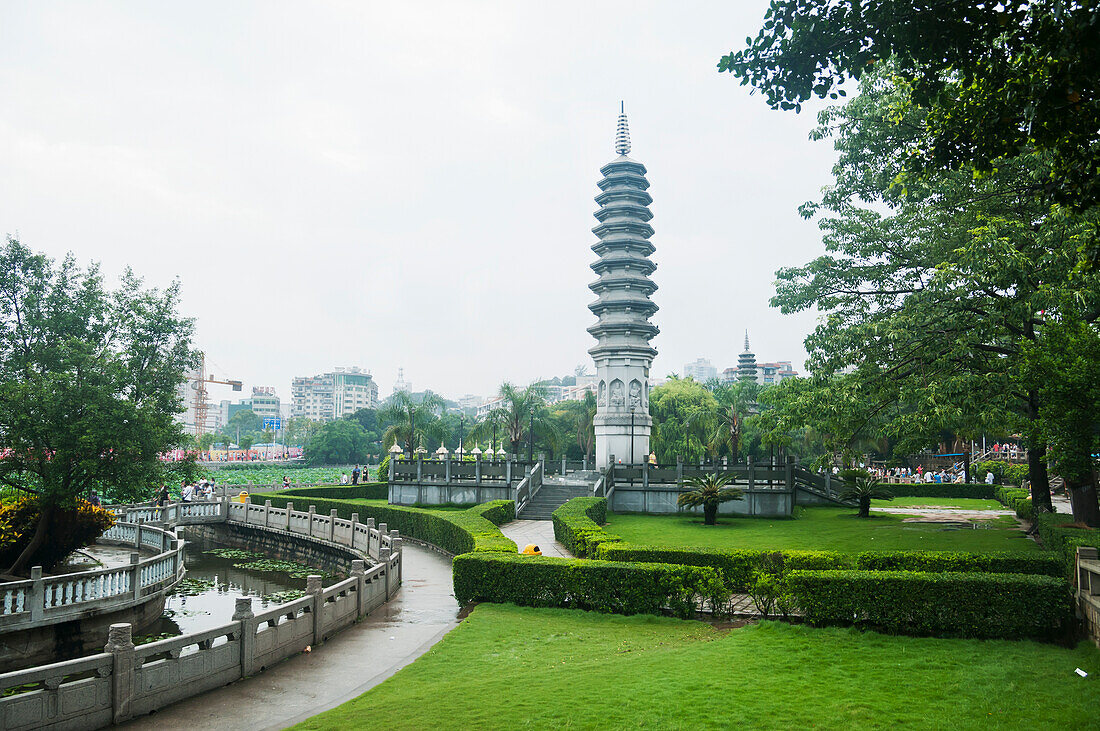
(710, 514)
(1036, 464)
(865, 506)
(37, 540)
(1083, 500)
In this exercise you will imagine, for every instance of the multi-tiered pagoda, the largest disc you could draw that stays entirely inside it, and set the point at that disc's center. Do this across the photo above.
(623, 354)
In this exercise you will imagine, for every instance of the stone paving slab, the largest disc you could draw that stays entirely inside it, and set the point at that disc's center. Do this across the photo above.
(348, 665)
(539, 532)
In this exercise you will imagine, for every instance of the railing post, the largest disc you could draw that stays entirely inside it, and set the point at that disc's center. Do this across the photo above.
(135, 575)
(37, 598)
(137, 534)
(393, 468)
(446, 470)
(645, 473)
(477, 470)
(563, 465)
(242, 612)
(312, 512)
(508, 472)
(120, 645)
(680, 471)
(384, 559)
(174, 546)
(332, 525)
(752, 484)
(315, 589)
(267, 513)
(359, 571)
(1085, 584)
(419, 467)
(354, 525)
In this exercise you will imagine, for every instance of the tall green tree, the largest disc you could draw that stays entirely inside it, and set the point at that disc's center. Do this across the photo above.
(409, 421)
(519, 409)
(337, 442)
(997, 79)
(682, 411)
(88, 382)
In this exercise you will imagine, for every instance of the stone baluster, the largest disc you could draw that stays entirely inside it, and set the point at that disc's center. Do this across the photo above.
(135, 575)
(332, 525)
(267, 513)
(289, 510)
(384, 559)
(354, 529)
(359, 571)
(37, 597)
(242, 612)
(315, 589)
(120, 645)
(312, 512)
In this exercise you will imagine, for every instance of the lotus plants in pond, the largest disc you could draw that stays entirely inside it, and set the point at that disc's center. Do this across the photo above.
(709, 491)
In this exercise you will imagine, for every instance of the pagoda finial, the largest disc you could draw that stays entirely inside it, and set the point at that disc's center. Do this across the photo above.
(746, 340)
(622, 132)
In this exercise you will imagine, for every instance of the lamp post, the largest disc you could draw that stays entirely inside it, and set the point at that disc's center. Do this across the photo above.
(461, 424)
(632, 409)
(531, 438)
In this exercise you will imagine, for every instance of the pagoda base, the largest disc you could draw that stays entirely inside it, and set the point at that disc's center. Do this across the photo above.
(615, 437)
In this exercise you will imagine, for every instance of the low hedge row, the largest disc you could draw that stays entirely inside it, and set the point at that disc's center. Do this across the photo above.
(365, 491)
(949, 490)
(1009, 606)
(1018, 499)
(738, 567)
(459, 531)
(1062, 537)
(578, 525)
(604, 586)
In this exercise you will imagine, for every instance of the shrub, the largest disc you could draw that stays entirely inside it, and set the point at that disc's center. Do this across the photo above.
(363, 491)
(578, 526)
(1009, 606)
(69, 529)
(1002, 562)
(1006, 473)
(737, 567)
(925, 489)
(1062, 537)
(454, 531)
(1018, 499)
(603, 586)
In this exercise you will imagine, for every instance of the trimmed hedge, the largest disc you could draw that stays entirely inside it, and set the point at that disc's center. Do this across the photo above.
(1009, 606)
(603, 586)
(948, 490)
(996, 562)
(460, 531)
(365, 491)
(1018, 499)
(578, 526)
(1063, 540)
(736, 566)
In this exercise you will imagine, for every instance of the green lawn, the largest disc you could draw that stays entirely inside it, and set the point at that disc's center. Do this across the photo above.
(508, 667)
(825, 528)
(967, 503)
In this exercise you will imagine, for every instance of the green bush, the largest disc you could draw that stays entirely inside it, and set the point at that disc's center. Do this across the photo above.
(578, 526)
(69, 528)
(362, 491)
(1062, 537)
(948, 490)
(1018, 499)
(603, 586)
(454, 531)
(1009, 606)
(1001, 562)
(737, 567)
(1006, 473)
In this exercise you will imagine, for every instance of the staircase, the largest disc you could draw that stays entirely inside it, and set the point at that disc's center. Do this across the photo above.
(556, 491)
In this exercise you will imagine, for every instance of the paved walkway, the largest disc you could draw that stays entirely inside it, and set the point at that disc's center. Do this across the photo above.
(938, 513)
(348, 665)
(539, 532)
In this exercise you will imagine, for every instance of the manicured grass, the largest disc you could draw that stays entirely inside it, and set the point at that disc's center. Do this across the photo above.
(508, 667)
(826, 528)
(966, 503)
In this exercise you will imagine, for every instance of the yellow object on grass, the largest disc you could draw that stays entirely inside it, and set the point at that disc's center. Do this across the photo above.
(242, 497)
(531, 550)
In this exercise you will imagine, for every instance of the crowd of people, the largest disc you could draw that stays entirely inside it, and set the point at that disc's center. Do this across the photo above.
(204, 489)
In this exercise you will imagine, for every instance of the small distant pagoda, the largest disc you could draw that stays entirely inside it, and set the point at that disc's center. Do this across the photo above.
(746, 363)
(623, 354)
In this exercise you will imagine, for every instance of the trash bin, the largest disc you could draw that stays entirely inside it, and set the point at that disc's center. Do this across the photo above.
(242, 497)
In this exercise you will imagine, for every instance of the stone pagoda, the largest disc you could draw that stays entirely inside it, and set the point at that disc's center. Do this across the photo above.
(746, 363)
(623, 354)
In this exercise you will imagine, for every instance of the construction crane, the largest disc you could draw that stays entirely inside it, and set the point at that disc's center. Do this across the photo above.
(201, 403)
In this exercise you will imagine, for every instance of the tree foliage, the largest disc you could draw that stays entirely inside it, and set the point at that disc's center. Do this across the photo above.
(88, 382)
(708, 492)
(338, 442)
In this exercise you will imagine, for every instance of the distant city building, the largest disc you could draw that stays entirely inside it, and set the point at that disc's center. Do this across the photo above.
(701, 370)
(401, 384)
(264, 403)
(484, 408)
(333, 395)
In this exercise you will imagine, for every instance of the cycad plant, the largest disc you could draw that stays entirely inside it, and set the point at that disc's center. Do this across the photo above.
(861, 487)
(709, 491)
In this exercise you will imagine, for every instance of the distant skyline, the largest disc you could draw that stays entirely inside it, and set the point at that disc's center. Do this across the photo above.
(405, 185)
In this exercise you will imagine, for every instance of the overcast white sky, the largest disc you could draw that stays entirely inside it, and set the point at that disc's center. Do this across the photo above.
(405, 184)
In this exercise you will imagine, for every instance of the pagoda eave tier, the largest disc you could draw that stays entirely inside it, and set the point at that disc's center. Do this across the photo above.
(642, 352)
(623, 212)
(625, 227)
(612, 285)
(623, 260)
(633, 195)
(623, 328)
(623, 165)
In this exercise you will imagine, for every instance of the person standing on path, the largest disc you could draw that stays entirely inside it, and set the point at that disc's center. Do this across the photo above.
(355, 475)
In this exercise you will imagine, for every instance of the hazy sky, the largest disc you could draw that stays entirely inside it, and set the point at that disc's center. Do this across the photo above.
(405, 184)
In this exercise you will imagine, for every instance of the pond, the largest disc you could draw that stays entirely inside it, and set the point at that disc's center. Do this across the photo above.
(216, 578)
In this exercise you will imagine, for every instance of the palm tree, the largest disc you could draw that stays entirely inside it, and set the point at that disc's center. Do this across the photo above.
(513, 417)
(860, 486)
(410, 421)
(735, 402)
(709, 491)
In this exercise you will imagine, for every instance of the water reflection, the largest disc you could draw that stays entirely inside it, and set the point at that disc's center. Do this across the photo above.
(213, 604)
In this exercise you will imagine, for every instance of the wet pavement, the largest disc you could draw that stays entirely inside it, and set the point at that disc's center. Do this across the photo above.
(539, 532)
(345, 667)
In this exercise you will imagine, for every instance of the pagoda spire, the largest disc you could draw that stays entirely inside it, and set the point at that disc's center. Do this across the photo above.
(747, 341)
(622, 132)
